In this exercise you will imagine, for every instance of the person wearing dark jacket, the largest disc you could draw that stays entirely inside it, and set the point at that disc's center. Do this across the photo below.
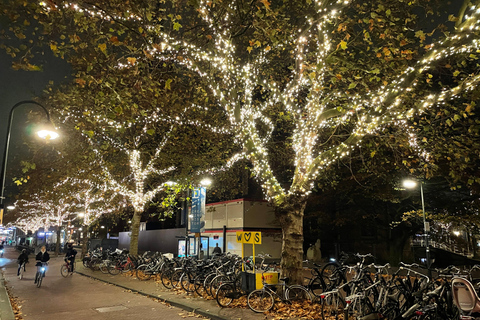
(42, 257)
(70, 255)
(22, 260)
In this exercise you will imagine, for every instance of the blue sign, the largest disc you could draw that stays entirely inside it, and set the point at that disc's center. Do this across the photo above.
(197, 222)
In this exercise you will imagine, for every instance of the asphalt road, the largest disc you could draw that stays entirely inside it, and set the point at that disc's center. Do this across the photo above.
(78, 297)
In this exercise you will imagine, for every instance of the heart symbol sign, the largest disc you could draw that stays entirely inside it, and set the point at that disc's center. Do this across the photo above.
(247, 236)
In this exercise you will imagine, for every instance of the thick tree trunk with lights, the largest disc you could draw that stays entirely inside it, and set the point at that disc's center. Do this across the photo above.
(84, 241)
(135, 231)
(291, 221)
(57, 247)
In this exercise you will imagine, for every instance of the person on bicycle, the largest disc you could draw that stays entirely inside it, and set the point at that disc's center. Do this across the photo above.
(70, 255)
(42, 257)
(22, 260)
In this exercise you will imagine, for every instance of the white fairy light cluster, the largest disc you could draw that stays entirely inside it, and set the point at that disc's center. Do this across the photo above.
(233, 83)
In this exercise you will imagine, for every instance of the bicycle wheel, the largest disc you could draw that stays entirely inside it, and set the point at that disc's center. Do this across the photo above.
(207, 281)
(186, 282)
(20, 276)
(166, 278)
(225, 294)
(64, 270)
(113, 268)
(316, 287)
(175, 278)
(359, 308)
(297, 294)
(333, 307)
(142, 273)
(38, 279)
(198, 285)
(127, 266)
(330, 275)
(104, 267)
(216, 283)
(260, 300)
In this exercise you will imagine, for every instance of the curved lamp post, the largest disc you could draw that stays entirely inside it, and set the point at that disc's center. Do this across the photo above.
(411, 184)
(44, 134)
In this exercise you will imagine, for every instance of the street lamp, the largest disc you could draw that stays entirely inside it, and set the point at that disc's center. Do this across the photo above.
(411, 184)
(45, 134)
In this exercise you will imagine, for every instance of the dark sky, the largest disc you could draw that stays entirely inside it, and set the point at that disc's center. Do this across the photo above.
(17, 86)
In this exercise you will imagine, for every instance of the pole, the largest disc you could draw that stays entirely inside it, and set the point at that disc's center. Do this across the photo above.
(187, 218)
(425, 231)
(7, 141)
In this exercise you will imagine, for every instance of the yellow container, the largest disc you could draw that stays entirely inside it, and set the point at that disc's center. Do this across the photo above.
(270, 278)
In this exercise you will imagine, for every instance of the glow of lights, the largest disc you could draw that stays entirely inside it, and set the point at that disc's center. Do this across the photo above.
(206, 182)
(409, 184)
(231, 80)
(47, 134)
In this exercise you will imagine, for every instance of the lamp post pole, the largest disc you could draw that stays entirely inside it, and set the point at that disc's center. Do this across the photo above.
(410, 184)
(7, 142)
(426, 230)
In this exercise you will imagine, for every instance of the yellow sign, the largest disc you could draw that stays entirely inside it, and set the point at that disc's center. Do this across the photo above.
(254, 237)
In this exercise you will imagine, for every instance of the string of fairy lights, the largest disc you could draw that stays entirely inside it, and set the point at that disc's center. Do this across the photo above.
(233, 82)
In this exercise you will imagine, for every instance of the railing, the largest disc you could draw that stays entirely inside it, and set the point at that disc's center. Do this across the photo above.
(454, 248)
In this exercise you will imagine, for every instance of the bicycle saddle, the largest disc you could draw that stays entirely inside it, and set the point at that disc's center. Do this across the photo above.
(465, 296)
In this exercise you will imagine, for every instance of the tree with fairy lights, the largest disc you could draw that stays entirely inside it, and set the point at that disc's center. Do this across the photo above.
(54, 206)
(94, 201)
(309, 81)
(138, 132)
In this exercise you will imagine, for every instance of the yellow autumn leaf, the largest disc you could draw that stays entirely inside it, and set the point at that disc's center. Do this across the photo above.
(249, 49)
(103, 47)
(343, 45)
(132, 60)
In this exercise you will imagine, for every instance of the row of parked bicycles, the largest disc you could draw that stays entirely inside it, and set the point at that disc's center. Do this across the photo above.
(362, 290)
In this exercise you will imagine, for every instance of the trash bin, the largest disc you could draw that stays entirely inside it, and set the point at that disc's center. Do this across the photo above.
(252, 281)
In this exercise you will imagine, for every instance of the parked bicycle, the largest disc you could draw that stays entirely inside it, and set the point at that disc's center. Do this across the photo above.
(263, 300)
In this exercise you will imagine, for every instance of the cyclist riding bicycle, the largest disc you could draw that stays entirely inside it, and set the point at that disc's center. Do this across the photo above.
(22, 260)
(70, 255)
(42, 258)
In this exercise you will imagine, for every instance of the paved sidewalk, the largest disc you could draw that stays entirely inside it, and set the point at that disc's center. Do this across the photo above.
(207, 308)
(6, 312)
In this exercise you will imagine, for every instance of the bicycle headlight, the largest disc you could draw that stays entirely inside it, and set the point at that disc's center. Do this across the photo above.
(43, 269)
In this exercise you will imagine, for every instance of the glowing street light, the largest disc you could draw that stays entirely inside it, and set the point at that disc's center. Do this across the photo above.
(45, 134)
(206, 182)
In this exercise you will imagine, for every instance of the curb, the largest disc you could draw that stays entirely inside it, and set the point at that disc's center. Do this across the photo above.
(172, 303)
(6, 311)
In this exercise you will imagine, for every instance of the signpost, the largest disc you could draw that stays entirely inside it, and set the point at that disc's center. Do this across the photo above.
(253, 238)
(197, 222)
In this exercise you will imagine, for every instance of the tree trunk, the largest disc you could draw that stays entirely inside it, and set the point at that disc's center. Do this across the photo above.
(57, 247)
(135, 231)
(84, 241)
(291, 221)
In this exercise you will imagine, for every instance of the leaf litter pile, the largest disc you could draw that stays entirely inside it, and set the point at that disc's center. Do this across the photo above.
(15, 303)
(280, 311)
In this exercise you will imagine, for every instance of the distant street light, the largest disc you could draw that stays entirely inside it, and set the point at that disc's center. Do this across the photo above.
(411, 184)
(10, 207)
(206, 182)
(45, 134)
